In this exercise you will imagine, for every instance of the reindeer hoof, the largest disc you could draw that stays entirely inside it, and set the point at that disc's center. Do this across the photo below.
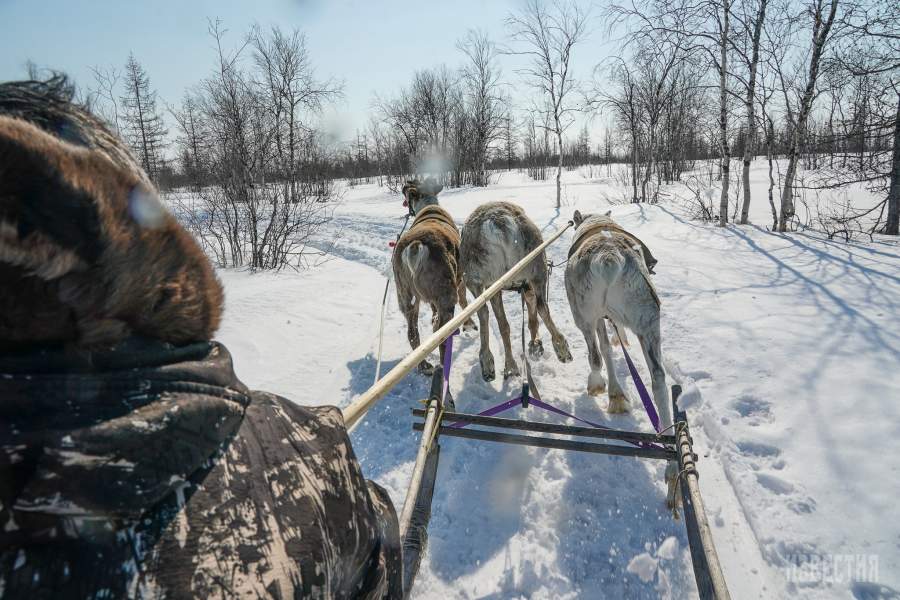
(511, 370)
(487, 368)
(596, 384)
(618, 403)
(469, 326)
(562, 351)
(426, 368)
(536, 349)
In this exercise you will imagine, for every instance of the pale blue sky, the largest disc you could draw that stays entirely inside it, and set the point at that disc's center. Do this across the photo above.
(373, 46)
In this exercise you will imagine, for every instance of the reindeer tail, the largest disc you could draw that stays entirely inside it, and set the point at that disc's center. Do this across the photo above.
(606, 268)
(414, 256)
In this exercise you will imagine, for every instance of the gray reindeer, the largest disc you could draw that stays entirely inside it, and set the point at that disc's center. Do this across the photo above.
(495, 237)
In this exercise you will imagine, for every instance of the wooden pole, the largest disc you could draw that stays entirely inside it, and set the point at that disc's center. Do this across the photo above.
(707, 570)
(432, 422)
(417, 508)
(358, 408)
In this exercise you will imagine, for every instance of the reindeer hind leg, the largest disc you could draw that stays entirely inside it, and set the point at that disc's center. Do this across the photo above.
(510, 368)
(560, 345)
(535, 346)
(409, 305)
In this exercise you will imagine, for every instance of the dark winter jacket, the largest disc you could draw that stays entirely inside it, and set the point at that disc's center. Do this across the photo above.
(152, 472)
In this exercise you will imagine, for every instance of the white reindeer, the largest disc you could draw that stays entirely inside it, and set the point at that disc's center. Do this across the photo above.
(607, 277)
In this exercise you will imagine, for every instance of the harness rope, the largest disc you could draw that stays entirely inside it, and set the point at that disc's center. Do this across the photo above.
(387, 284)
(550, 267)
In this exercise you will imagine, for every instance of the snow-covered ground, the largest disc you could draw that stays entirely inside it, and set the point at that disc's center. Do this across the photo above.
(788, 348)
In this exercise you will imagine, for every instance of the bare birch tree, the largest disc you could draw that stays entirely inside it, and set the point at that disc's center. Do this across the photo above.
(484, 103)
(251, 129)
(703, 29)
(102, 96)
(622, 99)
(823, 14)
(546, 35)
(752, 17)
(866, 62)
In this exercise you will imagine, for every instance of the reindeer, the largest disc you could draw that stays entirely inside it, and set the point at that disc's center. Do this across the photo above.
(426, 263)
(495, 237)
(608, 277)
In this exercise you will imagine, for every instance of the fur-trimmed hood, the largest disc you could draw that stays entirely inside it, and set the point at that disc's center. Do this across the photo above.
(88, 253)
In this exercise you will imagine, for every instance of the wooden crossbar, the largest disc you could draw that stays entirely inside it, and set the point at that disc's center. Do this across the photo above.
(594, 432)
(554, 443)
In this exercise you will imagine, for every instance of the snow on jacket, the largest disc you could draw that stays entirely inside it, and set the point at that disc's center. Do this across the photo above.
(150, 471)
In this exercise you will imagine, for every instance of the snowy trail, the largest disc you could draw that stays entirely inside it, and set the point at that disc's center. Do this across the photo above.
(511, 521)
(782, 343)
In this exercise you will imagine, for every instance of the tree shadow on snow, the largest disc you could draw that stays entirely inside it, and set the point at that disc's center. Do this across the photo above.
(846, 285)
(550, 224)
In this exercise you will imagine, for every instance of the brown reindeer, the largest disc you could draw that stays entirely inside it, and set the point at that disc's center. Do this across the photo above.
(496, 236)
(426, 263)
(88, 254)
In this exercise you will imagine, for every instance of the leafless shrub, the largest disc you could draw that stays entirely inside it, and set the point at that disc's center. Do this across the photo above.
(701, 202)
(835, 214)
(261, 190)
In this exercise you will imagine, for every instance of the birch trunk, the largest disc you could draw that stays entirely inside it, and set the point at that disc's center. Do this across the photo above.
(634, 163)
(820, 36)
(559, 165)
(649, 172)
(893, 216)
(751, 103)
(723, 115)
(770, 128)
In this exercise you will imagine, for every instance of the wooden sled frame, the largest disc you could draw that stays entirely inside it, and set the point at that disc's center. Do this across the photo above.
(417, 508)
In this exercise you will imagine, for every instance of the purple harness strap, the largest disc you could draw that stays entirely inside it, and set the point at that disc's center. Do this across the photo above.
(494, 410)
(503, 406)
(490, 412)
(642, 391)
